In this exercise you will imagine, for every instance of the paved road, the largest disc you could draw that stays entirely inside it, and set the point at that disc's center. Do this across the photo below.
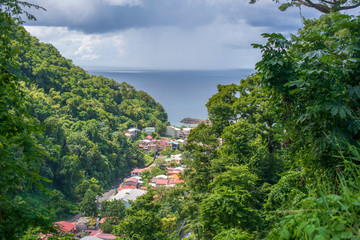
(74, 218)
(107, 195)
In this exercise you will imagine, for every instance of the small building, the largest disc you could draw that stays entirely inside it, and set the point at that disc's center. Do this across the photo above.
(131, 182)
(173, 182)
(161, 182)
(131, 133)
(172, 131)
(175, 145)
(149, 137)
(149, 130)
(153, 147)
(137, 171)
(184, 133)
(128, 195)
(84, 223)
(65, 227)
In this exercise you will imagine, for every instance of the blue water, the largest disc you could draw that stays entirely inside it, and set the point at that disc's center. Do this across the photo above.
(181, 93)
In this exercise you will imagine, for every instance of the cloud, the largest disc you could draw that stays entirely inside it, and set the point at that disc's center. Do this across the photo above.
(161, 33)
(160, 47)
(102, 16)
(130, 3)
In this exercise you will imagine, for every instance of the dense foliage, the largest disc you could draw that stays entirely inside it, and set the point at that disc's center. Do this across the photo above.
(61, 129)
(84, 117)
(280, 158)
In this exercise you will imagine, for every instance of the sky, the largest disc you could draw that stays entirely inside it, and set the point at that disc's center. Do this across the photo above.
(162, 34)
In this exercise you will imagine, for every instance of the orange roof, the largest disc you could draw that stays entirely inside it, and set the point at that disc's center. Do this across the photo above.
(138, 170)
(175, 180)
(131, 180)
(148, 137)
(173, 172)
(65, 226)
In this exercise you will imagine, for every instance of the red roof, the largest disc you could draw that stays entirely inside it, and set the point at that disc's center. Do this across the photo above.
(131, 180)
(105, 236)
(141, 146)
(162, 182)
(65, 226)
(127, 187)
(174, 181)
(162, 142)
(148, 137)
(138, 170)
(100, 234)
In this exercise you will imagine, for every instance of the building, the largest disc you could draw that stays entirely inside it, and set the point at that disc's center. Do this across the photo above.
(161, 182)
(65, 227)
(149, 130)
(137, 171)
(85, 223)
(184, 133)
(128, 195)
(132, 182)
(173, 182)
(172, 131)
(131, 133)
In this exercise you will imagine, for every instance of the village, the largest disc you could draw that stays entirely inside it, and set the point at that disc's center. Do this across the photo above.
(164, 171)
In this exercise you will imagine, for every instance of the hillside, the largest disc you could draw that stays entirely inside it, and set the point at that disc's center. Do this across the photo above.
(83, 118)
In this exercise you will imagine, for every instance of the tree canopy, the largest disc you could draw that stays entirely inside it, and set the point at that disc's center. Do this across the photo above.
(324, 6)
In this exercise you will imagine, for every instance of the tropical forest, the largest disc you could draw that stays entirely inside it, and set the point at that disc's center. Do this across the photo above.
(278, 158)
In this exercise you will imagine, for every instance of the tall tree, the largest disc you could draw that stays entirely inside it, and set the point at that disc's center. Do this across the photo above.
(324, 6)
(19, 150)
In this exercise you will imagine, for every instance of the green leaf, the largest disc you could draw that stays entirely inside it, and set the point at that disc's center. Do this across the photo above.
(309, 229)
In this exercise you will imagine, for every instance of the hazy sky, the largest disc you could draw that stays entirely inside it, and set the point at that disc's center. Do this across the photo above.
(161, 34)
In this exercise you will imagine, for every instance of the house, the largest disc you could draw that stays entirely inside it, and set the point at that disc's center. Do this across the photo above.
(137, 171)
(83, 224)
(144, 142)
(149, 130)
(173, 182)
(174, 173)
(161, 182)
(158, 177)
(173, 145)
(98, 234)
(172, 131)
(152, 147)
(65, 227)
(174, 158)
(162, 144)
(184, 133)
(131, 133)
(132, 182)
(128, 195)
(149, 138)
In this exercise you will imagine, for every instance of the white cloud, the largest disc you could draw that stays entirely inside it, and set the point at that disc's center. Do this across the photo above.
(130, 3)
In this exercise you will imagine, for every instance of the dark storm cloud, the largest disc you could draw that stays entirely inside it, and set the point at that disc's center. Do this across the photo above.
(100, 17)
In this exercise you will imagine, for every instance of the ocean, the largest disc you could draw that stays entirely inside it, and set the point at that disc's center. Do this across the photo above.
(183, 93)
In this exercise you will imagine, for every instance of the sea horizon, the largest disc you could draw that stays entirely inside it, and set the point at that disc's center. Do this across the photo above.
(182, 92)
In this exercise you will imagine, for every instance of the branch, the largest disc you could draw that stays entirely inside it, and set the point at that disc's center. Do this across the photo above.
(350, 7)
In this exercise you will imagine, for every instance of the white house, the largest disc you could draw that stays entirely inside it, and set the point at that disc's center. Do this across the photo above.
(172, 131)
(127, 195)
